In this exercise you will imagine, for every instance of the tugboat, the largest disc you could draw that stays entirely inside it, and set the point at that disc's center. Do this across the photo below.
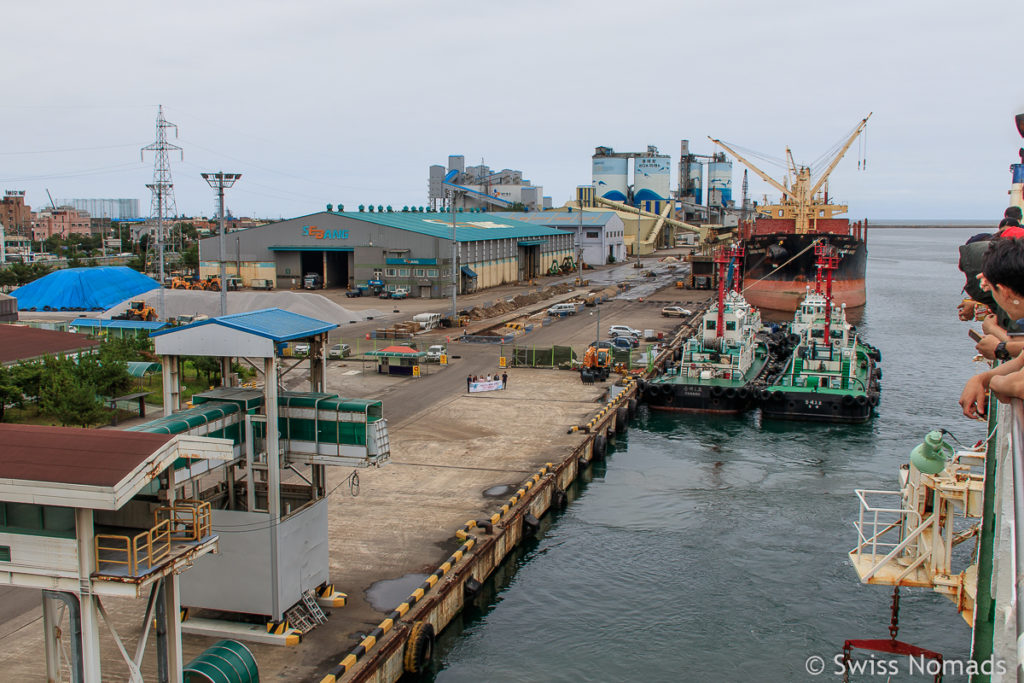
(832, 375)
(716, 367)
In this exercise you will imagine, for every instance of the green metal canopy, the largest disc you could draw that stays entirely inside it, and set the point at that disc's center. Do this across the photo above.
(142, 368)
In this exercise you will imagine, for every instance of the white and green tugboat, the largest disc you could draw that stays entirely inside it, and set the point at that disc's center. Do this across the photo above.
(717, 366)
(832, 375)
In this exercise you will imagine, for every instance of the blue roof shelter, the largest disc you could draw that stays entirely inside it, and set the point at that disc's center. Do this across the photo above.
(295, 552)
(250, 334)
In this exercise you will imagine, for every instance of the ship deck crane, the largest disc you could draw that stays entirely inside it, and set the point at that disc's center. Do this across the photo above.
(798, 187)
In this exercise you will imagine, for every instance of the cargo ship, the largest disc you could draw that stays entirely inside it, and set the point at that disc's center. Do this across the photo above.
(780, 240)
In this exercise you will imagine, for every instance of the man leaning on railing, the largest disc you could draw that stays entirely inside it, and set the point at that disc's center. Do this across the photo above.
(1003, 277)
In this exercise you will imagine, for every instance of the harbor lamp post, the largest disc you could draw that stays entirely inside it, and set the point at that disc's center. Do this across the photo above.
(455, 258)
(219, 181)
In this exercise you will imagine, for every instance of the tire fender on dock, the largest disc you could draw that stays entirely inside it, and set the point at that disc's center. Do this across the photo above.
(419, 648)
(600, 447)
(631, 406)
(621, 419)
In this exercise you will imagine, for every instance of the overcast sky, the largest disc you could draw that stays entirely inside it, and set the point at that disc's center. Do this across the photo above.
(351, 102)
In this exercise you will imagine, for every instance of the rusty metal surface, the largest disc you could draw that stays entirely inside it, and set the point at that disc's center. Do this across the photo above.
(69, 455)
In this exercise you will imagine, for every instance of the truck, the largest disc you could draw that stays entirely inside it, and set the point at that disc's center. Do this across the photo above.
(312, 281)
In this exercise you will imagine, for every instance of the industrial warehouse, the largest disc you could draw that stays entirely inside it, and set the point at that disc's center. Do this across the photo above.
(390, 251)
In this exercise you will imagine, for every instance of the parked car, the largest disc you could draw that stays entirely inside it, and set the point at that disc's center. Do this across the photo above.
(300, 349)
(353, 293)
(623, 331)
(435, 352)
(400, 293)
(562, 309)
(339, 351)
(676, 312)
(624, 343)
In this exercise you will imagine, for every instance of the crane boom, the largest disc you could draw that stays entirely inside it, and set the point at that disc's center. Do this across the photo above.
(764, 176)
(840, 155)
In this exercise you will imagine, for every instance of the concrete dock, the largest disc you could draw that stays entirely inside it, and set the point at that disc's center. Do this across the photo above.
(455, 457)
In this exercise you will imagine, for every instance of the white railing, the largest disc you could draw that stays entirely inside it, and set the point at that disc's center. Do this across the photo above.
(1016, 453)
(882, 533)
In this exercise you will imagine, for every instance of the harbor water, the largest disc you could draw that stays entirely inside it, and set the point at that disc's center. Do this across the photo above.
(715, 549)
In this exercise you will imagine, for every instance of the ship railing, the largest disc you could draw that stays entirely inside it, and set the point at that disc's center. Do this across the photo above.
(1017, 453)
(890, 534)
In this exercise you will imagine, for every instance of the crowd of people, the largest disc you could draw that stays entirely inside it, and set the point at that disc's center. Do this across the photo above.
(472, 379)
(994, 267)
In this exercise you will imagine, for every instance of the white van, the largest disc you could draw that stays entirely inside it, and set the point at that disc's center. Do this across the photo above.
(427, 321)
(562, 309)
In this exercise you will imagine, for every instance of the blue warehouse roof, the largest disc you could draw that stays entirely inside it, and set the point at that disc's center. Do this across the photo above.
(569, 219)
(271, 323)
(469, 227)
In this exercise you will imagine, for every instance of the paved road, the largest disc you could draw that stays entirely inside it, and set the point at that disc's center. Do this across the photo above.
(16, 609)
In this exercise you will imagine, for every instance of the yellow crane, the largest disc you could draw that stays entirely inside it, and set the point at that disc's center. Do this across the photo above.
(799, 190)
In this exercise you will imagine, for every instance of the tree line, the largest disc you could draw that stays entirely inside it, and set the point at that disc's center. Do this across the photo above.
(71, 390)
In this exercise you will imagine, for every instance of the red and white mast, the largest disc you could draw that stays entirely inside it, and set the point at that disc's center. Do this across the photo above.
(827, 262)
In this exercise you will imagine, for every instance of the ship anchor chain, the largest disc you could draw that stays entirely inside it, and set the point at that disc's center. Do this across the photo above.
(892, 645)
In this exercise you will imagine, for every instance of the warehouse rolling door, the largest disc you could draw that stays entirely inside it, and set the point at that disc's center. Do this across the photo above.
(334, 267)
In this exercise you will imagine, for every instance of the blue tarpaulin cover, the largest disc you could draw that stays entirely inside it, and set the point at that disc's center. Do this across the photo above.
(83, 289)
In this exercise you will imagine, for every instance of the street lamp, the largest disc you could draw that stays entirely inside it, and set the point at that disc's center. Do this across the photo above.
(219, 181)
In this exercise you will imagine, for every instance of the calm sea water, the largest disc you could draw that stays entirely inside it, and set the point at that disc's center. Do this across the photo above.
(714, 549)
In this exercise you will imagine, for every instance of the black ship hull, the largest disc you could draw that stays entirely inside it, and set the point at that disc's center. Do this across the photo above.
(779, 404)
(781, 266)
(695, 398)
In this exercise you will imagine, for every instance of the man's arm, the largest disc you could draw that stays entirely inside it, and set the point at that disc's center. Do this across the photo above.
(974, 396)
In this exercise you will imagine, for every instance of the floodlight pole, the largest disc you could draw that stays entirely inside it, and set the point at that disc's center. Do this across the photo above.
(219, 181)
(455, 271)
(579, 244)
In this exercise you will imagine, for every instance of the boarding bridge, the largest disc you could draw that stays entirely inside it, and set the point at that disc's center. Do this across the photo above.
(315, 428)
(270, 503)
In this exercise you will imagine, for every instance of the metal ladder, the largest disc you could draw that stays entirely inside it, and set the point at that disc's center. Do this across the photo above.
(309, 600)
(306, 615)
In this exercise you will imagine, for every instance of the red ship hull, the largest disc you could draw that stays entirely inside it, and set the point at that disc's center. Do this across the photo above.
(786, 295)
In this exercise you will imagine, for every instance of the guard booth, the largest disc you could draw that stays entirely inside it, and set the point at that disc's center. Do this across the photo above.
(88, 514)
(398, 360)
(279, 567)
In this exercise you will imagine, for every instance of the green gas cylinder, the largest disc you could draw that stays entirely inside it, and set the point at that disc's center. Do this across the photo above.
(930, 456)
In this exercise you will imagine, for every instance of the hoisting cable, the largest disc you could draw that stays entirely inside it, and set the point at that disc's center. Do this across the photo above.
(798, 254)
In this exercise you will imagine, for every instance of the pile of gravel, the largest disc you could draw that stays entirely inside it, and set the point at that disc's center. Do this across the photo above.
(190, 302)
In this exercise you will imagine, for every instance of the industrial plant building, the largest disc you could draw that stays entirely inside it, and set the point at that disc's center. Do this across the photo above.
(115, 209)
(601, 234)
(478, 187)
(392, 250)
